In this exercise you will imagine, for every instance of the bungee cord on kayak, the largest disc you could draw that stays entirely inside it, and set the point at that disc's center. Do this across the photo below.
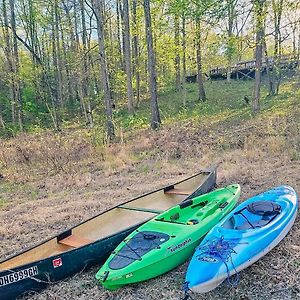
(187, 292)
(222, 250)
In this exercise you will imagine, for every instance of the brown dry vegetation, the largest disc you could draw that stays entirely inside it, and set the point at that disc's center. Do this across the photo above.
(53, 181)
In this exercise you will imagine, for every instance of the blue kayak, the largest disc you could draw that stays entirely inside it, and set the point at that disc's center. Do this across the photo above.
(250, 231)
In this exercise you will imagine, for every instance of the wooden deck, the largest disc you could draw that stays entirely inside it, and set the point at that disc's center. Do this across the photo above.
(246, 69)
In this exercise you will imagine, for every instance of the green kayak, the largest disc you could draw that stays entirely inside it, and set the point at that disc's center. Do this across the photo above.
(167, 240)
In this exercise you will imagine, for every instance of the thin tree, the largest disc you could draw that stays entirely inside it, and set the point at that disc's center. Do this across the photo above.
(2, 123)
(276, 74)
(177, 49)
(155, 116)
(127, 57)
(231, 17)
(85, 77)
(136, 53)
(259, 9)
(201, 90)
(16, 66)
(119, 32)
(98, 8)
(56, 53)
(9, 58)
(183, 31)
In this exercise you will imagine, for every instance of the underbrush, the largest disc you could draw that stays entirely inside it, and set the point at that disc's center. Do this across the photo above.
(202, 132)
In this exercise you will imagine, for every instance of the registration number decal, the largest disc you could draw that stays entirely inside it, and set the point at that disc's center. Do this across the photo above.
(16, 276)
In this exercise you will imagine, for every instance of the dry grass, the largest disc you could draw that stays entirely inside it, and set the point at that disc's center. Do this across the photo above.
(52, 182)
(276, 276)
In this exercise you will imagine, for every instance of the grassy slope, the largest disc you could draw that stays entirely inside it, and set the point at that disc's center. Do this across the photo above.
(53, 181)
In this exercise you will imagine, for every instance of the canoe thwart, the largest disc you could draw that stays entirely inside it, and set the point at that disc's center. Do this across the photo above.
(154, 211)
(75, 241)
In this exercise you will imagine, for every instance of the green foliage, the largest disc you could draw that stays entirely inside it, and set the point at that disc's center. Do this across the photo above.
(38, 79)
(207, 8)
(220, 106)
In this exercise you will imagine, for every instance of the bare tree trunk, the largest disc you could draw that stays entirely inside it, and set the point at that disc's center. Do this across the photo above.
(260, 37)
(53, 97)
(72, 31)
(56, 54)
(127, 56)
(85, 77)
(33, 31)
(136, 53)
(69, 91)
(268, 65)
(119, 33)
(98, 8)
(9, 57)
(231, 15)
(277, 7)
(18, 95)
(82, 90)
(1, 119)
(201, 90)
(184, 59)
(155, 116)
(294, 41)
(177, 54)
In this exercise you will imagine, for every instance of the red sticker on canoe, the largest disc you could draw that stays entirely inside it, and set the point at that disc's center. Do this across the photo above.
(57, 262)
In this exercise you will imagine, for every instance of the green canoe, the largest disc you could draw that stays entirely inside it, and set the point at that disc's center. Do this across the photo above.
(167, 240)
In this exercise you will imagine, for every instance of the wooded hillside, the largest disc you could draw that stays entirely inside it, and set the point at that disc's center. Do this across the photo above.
(84, 62)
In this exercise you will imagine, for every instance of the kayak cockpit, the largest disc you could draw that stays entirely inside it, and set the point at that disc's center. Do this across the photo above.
(135, 248)
(255, 215)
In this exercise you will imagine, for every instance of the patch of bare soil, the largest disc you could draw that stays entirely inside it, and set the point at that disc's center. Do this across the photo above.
(258, 159)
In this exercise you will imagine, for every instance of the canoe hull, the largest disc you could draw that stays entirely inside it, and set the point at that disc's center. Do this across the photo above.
(57, 268)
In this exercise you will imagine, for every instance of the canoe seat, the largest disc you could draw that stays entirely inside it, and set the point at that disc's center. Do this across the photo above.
(178, 192)
(75, 241)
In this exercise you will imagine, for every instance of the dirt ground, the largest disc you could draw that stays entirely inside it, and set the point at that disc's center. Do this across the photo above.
(52, 204)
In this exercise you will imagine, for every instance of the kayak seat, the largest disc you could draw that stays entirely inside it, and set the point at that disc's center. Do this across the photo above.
(257, 214)
(75, 241)
(264, 208)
